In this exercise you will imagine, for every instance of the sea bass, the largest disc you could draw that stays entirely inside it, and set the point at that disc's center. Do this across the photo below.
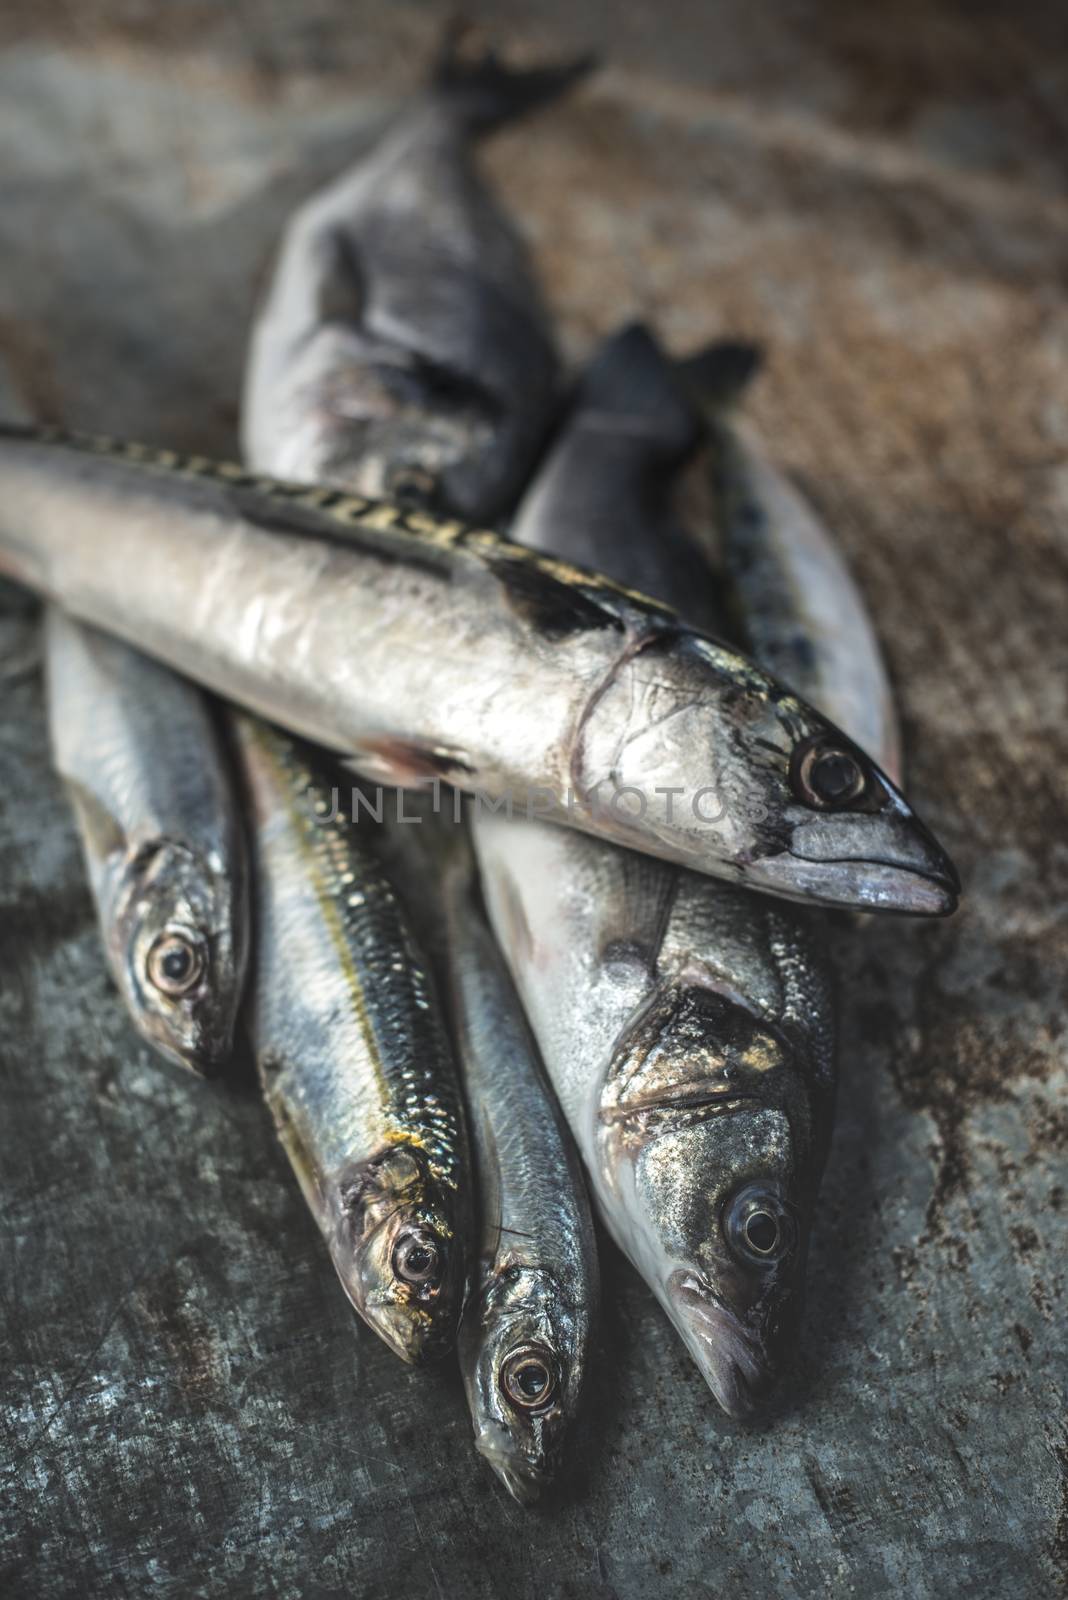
(402, 350)
(353, 1055)
(423, 648)
(142, 762)
(687, 1026)
(525, 1338)
(796, 606)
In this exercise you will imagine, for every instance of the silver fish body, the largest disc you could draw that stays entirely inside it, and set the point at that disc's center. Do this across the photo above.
(354, 1057)
(687, 1028)
(142, 762)
(525, 1338)
(421, 648)
(403, 350)
(796, 605)
(687, 1025)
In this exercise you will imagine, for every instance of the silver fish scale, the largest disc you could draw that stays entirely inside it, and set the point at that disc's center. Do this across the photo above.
(798, 950)
(540, 1217)
(138, 739)
(389, 986)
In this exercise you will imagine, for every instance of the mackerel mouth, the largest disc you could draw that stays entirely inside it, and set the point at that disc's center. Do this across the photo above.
(888, 886)
(890, 861)
(860, 883)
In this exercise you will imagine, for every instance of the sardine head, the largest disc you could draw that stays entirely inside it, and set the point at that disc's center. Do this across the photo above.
(522, 1354)
(694, 752)
(179, 954)
(706, 1147)
(399, 1252)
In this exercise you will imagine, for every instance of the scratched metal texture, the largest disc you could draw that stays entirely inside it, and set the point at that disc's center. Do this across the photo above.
(188, 1407)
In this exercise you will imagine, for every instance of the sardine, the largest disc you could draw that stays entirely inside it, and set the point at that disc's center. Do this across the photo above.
(147, 777)
(354, 1056)
(525, 1338)
(422, 648)
(403, 350)
(687, 1025)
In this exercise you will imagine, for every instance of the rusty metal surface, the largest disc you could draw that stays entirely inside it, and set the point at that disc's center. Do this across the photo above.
(188, 1407)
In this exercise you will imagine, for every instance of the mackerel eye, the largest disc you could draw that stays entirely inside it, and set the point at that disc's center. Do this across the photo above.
(416, 1259)
(529, 1377)
(758, 1226)
(175, 964)
(827, 777)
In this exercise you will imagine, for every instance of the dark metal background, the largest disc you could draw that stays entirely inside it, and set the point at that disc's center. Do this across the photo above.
(189, 1408)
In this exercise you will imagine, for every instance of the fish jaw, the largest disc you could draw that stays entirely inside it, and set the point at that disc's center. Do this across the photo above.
(523, 1314)
(394, 1218)
(733, 1359)
(524, 1479)
(887, 860)
(861, 885)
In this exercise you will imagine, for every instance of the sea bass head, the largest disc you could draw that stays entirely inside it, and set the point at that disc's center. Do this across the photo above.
(393, 427)
(398, 1250)
(522, 1346)
(691, 744)
(709, 1140)
(177, 950)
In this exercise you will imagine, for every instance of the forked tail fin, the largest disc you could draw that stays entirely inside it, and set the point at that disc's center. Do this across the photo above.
(485, 93)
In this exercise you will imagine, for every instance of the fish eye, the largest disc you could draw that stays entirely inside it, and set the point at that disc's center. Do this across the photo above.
(416, 1259)
(411, 485)
(529, 1377)
(174, 964)
(826, 776)
(761, 1232)
(758, 1226)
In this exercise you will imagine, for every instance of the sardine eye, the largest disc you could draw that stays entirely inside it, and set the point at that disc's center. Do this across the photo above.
(827, 777)
(529, 1377)
(416, 1258)
(174, 964)
(758, 1225)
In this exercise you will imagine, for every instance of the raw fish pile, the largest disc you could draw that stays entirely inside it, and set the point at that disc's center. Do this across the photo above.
(529, 783)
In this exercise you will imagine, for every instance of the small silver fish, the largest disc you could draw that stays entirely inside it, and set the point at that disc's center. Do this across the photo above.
(423, 649)
(687, 1025)
(403, 350)
(143, 765)
(525, 1338)
(354, 1057)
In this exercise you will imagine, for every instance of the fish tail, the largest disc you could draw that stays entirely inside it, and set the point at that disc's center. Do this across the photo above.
(633, 378)
(484, 93)
(718, 375)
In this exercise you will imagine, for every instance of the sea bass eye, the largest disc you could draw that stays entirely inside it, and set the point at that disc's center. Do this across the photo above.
(758, 1226)
(827, 777)
(416, 1258)
(762, 1232)
(174, 964)
(529, 1377)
